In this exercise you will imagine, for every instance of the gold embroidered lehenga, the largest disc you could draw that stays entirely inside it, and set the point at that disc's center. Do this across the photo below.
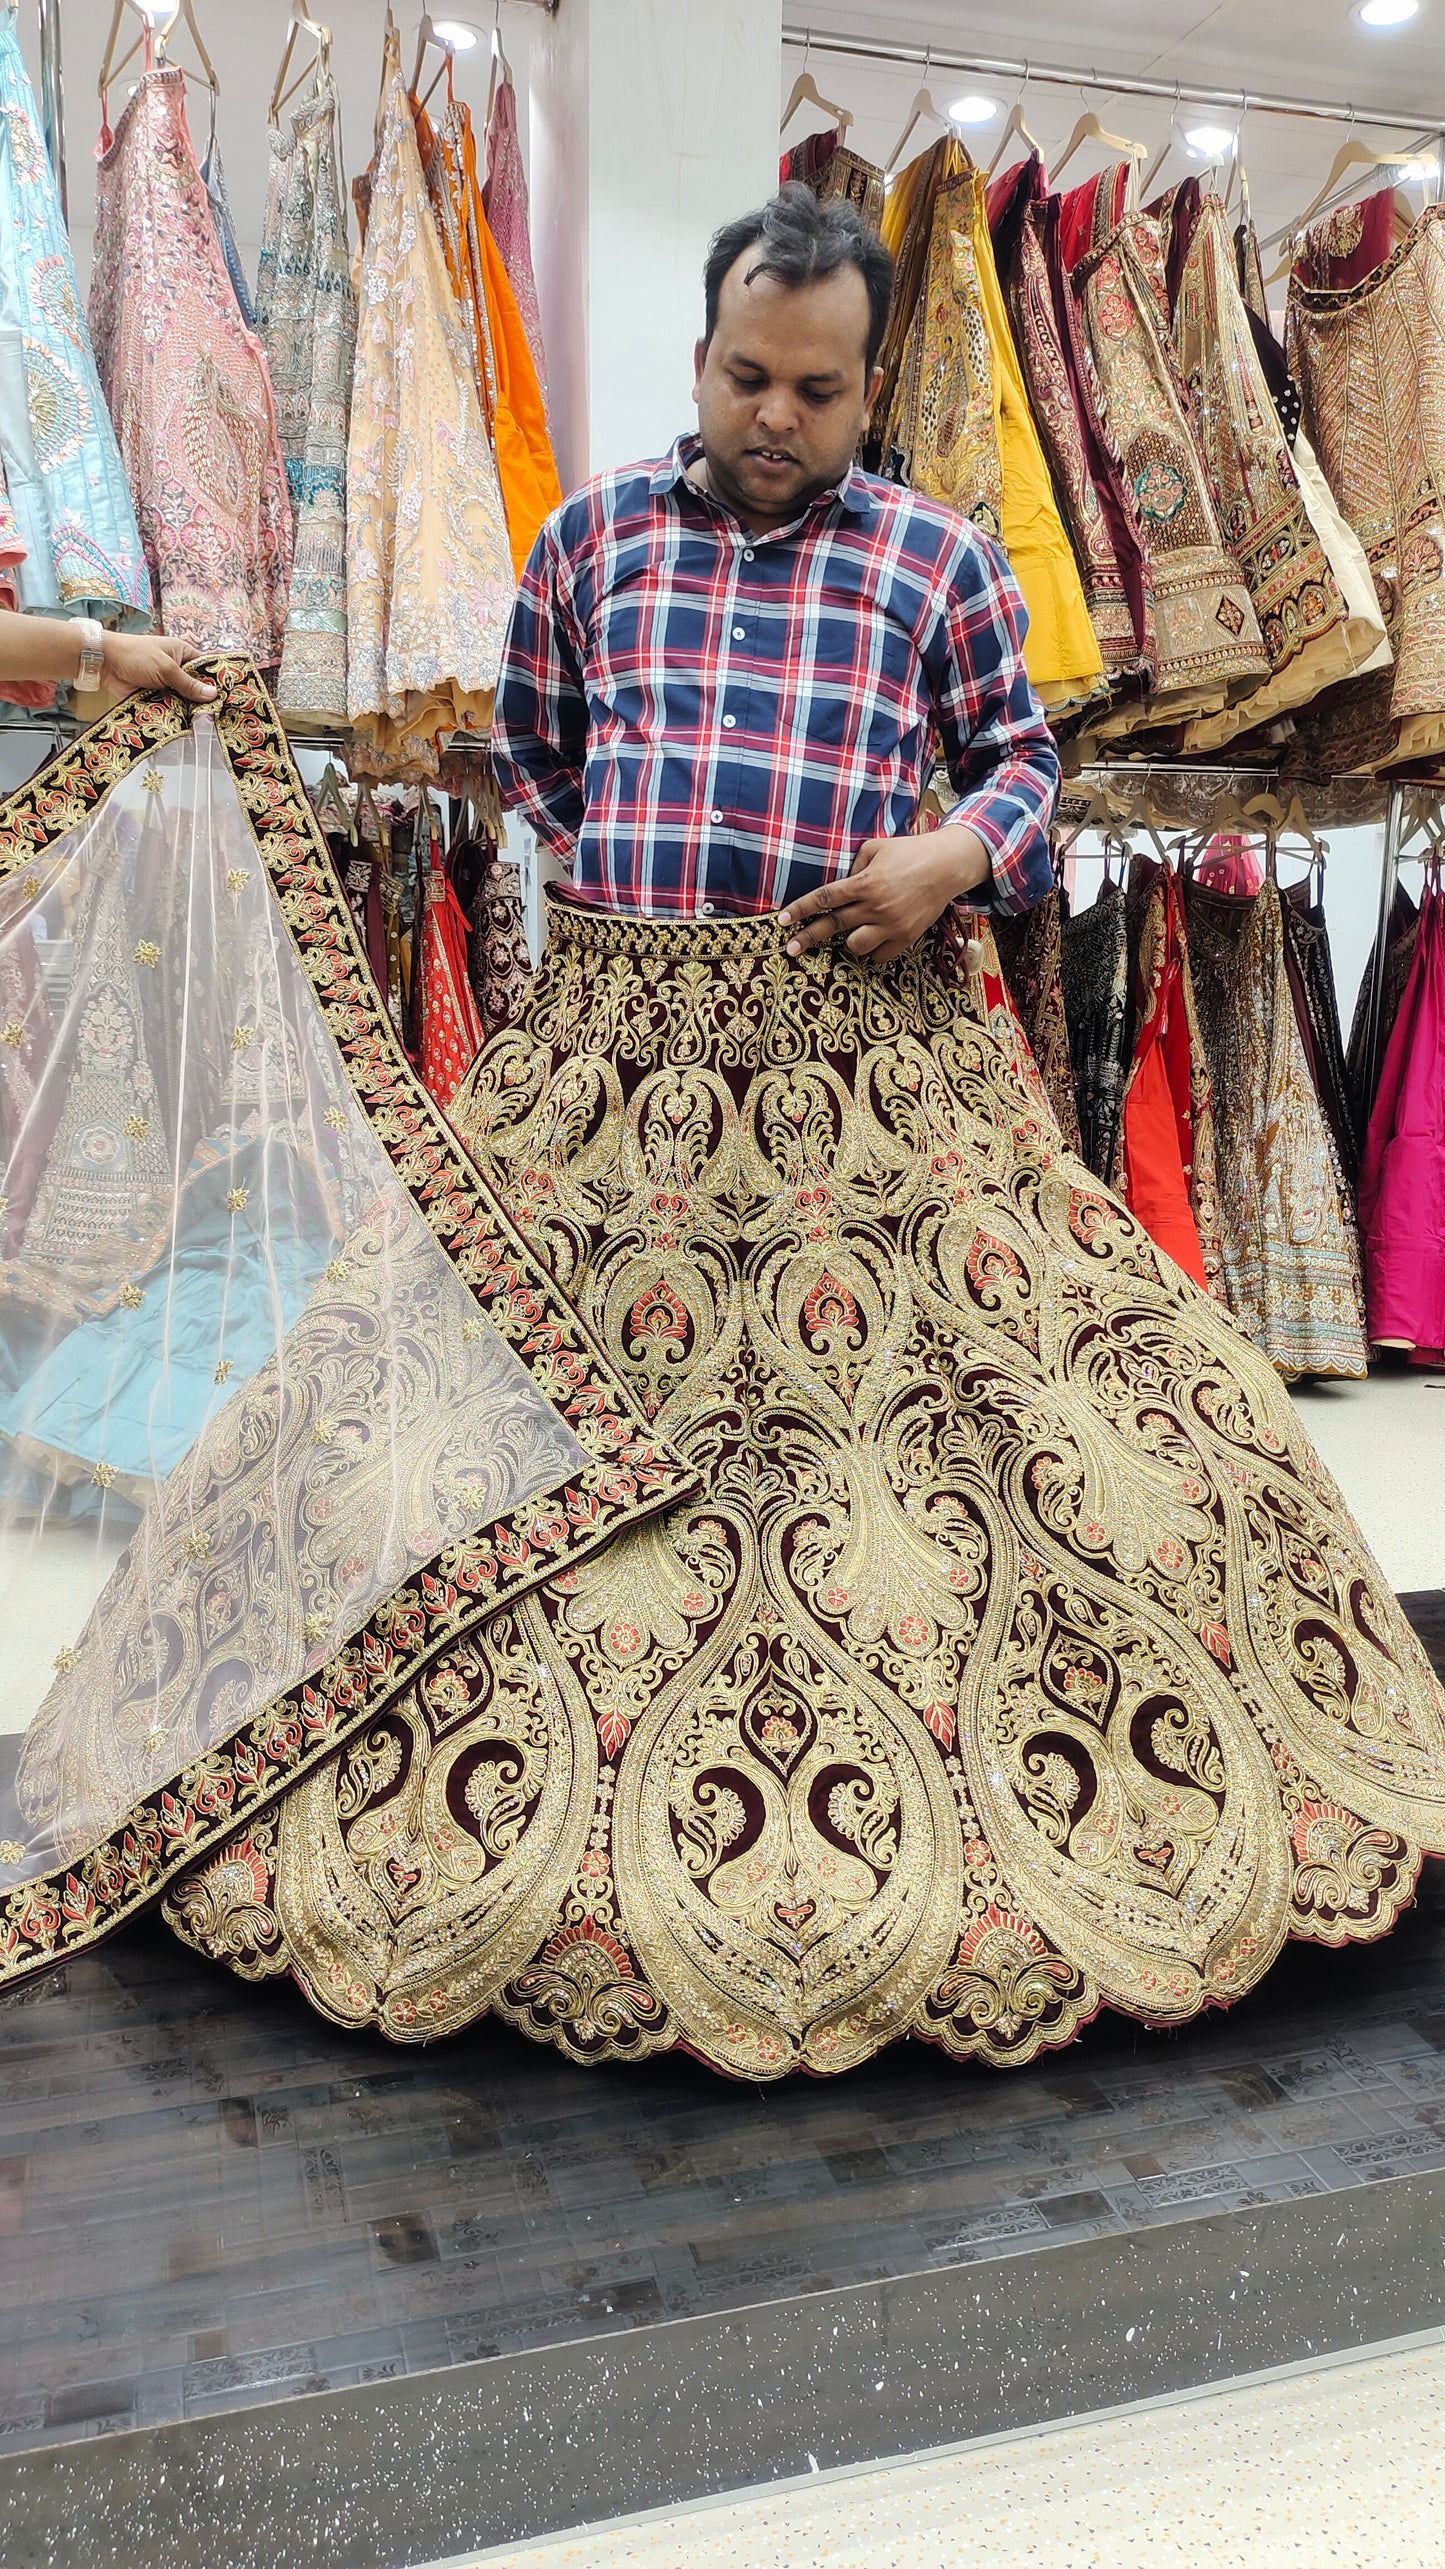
(946, 1628)
(1368, 360)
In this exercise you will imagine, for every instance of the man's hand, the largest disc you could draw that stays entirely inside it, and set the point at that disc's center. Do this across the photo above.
(149, 660)
(897, 888)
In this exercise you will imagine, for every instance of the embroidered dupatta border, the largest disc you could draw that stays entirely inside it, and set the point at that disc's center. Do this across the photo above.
(629, 1477)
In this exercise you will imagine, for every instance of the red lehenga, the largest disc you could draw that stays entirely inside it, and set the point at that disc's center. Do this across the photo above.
(755, 1552)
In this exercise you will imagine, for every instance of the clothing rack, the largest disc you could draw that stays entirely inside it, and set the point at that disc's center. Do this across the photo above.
(1110, 84)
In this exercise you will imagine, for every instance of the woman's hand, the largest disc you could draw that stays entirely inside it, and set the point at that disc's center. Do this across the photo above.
(151, 660)
(897, 889)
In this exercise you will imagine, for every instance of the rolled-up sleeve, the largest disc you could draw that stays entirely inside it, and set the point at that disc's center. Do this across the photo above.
(539, 723)
(996, 743)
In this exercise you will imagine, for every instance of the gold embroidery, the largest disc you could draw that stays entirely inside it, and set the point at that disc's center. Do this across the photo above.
(136, 1127)
(103, 1476)
(243, 1038)
(12, 1033)
(1018, 1658)
(236, 1199)
(237, 879)
(132, 1296)
(148, 952)
(223, 1370)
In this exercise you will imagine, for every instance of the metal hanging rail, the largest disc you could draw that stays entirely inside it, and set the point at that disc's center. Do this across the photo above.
(1109, 84)
(52, 99)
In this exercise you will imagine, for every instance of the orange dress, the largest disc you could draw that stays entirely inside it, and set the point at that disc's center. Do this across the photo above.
(512, 400)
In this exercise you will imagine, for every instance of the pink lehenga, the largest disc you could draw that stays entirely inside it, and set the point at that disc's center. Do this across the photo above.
(187, 385)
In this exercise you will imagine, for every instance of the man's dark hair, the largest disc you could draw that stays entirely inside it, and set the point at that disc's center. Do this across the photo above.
(798, 240)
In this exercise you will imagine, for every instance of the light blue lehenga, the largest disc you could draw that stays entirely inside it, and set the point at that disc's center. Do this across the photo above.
(62, 465)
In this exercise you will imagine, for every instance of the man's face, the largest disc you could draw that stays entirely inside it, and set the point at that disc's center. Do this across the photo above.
(782, 390)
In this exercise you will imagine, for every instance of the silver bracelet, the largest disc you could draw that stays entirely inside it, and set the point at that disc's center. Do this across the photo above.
(92, 656)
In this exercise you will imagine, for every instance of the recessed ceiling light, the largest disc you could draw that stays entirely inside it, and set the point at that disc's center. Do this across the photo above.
(973, 111)
(1387, 13)
(1210, 140)
(455, 34)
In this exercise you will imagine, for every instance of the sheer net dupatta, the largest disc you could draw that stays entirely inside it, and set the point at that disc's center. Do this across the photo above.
(285, 1404)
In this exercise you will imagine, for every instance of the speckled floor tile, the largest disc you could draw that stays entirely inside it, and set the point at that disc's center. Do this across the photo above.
(1341, 2466)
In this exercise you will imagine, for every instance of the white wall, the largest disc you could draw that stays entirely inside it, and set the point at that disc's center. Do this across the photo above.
(654, 121)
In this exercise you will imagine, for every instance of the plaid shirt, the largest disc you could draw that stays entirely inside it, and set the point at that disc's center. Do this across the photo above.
(698, 719)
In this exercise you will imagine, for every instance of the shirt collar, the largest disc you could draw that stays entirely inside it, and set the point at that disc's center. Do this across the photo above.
(851, 493)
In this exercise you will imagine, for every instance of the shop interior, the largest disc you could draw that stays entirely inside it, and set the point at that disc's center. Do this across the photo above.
(279, 2290)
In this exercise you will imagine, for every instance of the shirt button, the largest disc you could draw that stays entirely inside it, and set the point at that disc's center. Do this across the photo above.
(707, 908)
(747, 553)
(739, 633)
(730, 722)
(717, 816)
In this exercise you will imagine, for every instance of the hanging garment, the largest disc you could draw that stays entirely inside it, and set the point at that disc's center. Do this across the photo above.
(962, 423)
(429, 571)
(451, 1029)
(1209, 645)
(213, 180)
(1097, 508)
(1302, 612)
(1402, 1183)
(977, 1682)
(187, 386)
(1165, 1163)
(824, 163)
(1347, 245)
(1317, 1011)
(506, 378)
(1291, 1252)
(1370, 359)
(1030, 956)
(307, 320)
(63, 474)
(31, 692)
(1094, 968)
(278, 1347)
(499, 966)
(504, 205)
(1400, 936)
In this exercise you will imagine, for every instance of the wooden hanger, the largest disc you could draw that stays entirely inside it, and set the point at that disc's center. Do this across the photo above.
(299, 24)
(1089, 130)
(1015, 126)
(806, 93)
(1350, 156)
(157, 38)
(923, 105)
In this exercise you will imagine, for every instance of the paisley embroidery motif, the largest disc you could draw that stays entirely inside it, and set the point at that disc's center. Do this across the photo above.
(1017, 1656)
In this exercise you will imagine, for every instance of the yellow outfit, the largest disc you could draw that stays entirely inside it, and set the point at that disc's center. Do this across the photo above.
(954, 400)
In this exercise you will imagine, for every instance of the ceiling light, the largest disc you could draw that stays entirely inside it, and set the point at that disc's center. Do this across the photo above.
(455, 34)
(1210, 141)
(973, 111)
(1387, 13)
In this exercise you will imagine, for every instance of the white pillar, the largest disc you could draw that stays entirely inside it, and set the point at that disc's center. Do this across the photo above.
(653, 121)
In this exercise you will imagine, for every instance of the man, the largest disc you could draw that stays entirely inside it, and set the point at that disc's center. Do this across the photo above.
(726, 672)
(956, 1696)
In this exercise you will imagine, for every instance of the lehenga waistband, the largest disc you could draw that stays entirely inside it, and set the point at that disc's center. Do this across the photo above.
(588, 929)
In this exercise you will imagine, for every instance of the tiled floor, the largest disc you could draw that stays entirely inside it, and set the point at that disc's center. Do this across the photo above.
(1345, 2465)
(209, 2198)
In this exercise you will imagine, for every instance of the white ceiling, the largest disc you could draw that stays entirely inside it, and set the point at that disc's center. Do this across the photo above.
(1294, 48)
